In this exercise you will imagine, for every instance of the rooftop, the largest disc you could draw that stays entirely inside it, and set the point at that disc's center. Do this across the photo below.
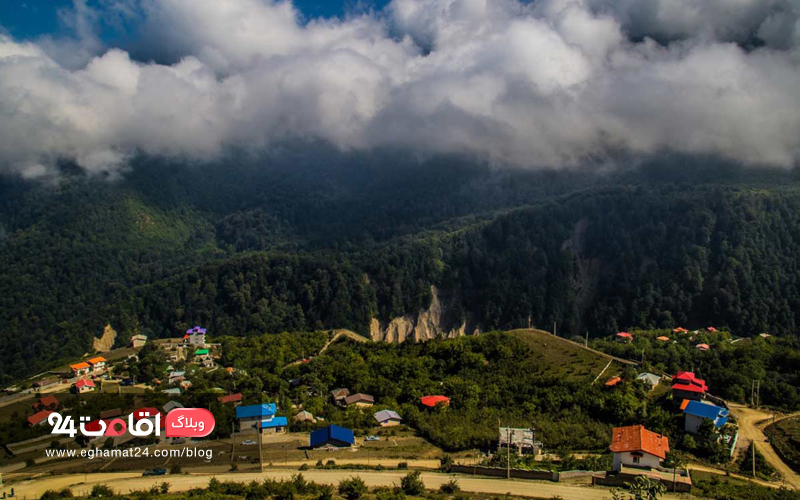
(637, 438)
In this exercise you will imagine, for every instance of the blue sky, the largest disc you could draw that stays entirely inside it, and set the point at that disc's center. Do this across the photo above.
(32, 18)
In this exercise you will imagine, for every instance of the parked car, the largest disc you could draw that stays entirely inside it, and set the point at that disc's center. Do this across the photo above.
(248, 442)
(155, 472)
(373, 438)
(127, 381)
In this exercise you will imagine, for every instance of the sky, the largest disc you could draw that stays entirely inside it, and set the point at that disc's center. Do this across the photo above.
(534, 84)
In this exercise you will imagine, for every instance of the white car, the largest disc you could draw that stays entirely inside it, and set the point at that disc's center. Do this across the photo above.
(373, 438)
(248, 442)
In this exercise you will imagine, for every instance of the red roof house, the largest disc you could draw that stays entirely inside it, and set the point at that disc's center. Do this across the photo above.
(432, 401)
(230, 398)
(48, 402)
(635, 446)
(711, 329)
(84, 385)
(703, 347)
(151, 413)
(39, 418)
(624, 337)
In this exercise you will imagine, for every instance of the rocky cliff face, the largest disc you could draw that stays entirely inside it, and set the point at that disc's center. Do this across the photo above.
(106, 342)
(436, 321)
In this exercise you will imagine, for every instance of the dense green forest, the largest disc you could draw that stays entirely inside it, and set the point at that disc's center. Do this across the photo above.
(331, 240)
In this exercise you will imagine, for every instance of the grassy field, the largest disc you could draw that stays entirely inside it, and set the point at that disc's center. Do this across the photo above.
(785, 437)
(556, 356)
(708, 485)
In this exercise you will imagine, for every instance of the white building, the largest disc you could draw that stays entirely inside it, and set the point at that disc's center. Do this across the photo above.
(635, 446)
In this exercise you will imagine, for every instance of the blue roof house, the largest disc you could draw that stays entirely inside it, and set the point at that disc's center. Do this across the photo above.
(334, 436)
(260, 417)
(696, 412)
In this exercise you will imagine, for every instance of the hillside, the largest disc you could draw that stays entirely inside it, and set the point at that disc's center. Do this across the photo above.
(300, 246)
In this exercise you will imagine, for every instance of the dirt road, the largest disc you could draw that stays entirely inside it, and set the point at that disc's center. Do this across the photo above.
(751, 424)
(126, 482)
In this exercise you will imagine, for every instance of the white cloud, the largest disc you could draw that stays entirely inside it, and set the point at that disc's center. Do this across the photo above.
(546, 84)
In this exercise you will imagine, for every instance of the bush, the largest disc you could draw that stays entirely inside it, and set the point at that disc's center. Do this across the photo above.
(101, 490)
(353, 488)
(304, 467)
(164, 488)
(402, 465)
(445, 462)
(176, 469)
(390, 494)
(412, 484)
(54, 495)
(325, 492)
(450, 487)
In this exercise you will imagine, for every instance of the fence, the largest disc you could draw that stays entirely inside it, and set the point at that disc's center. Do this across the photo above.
(543, 475)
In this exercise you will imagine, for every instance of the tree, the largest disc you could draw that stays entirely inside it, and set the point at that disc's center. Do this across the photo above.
(412, 484)
(673, 460)
(353, 488)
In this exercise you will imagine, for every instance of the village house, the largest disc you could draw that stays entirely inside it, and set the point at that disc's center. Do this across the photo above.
(260, 416)
(433, 401)
(176, 376)
(624, 337)
(236, 399)
(185, 384)
(339, 395)
(359, 400)
(686, 386)
(332, 436)
(171, 405)
(388, 418)
(304, 417)
(696, 412)
(172, 391)
(46, 383)
(635, 446)
(39, 418)
(116, 412)
(138, 341)
(47, 403)
(662, 338)
(613, 381)
(80, 369)
(83, 385)
(97, 364)
(195, 336)
(650, 380)
(703, 347)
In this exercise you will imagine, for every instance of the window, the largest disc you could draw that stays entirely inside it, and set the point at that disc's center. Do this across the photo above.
(636, 460)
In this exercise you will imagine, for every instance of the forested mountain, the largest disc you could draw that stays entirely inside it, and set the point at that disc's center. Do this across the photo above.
(331, 240)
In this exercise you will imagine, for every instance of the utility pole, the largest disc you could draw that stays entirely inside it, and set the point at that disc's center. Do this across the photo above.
(752, 392)
(508, 452)
(587, 339)
(758, 394)
(233, 440)
(554, 329)
(260, 455)
(754, 458)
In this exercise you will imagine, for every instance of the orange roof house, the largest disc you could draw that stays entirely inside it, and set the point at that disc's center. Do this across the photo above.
(231, 398)
(680, 330)
(99, 360)
(613, 381)
(635, 446)
(711, 329)
(432, 401)
(624, 337)
(663, 338)
(48, 402)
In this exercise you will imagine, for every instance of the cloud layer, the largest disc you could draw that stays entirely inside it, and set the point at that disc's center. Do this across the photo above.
(553, 83)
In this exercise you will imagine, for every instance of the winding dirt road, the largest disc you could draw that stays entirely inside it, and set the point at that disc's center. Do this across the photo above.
(751, 429)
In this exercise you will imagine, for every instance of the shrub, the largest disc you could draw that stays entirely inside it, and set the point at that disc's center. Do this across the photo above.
(353, 488)
(325, 492)
(101, 490)
(54, 495)
(304, 467)
(412, 484)
(450, 487)
(164, 488)
(394, 493)
(176, 469)
(402, 465)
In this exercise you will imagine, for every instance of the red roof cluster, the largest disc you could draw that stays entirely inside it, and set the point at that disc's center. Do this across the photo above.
(686, 381)
(637, 438)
